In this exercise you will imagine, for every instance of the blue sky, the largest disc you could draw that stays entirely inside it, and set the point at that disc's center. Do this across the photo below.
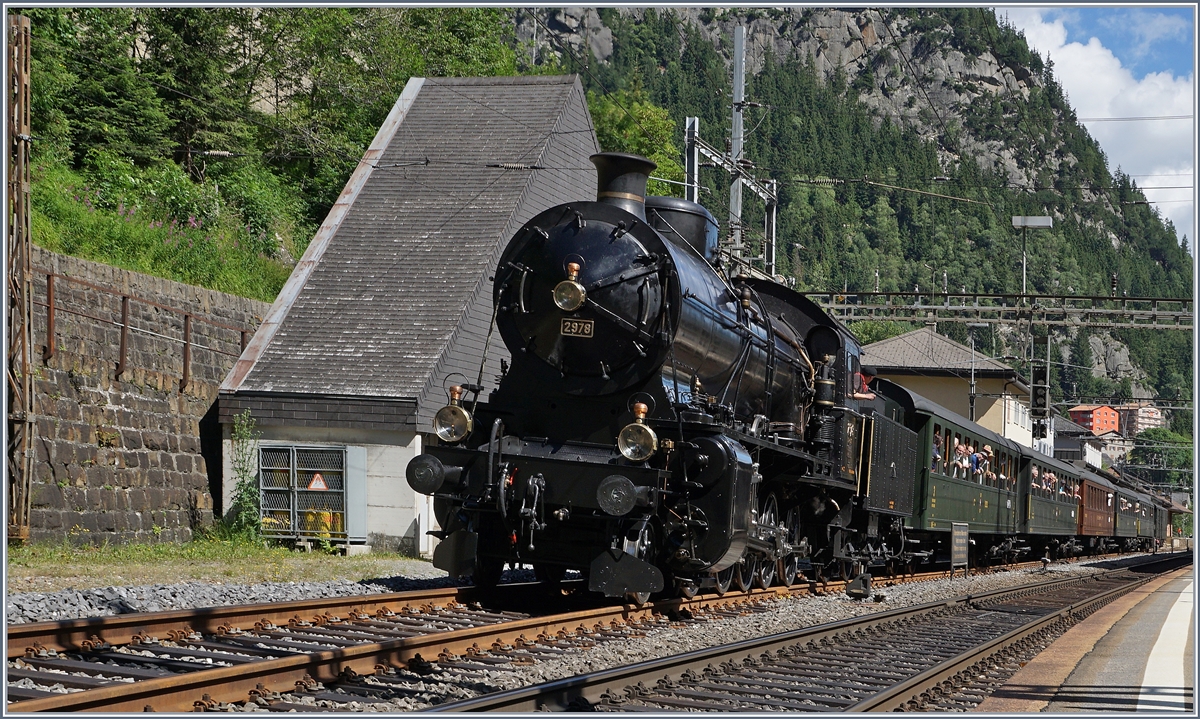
(1145, 39)
(1128, 72)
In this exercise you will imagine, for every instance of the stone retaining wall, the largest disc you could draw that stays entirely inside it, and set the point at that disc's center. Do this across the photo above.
(134, 458)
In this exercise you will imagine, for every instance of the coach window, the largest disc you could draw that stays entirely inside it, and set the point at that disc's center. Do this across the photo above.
(948, 458)
(939, 450)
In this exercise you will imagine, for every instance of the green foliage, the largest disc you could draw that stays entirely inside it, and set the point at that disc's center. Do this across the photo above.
(626, 122)
(336, 72)
(1165, 451)
(118, 214)
(243, 517)
(208, 548)
(868, 331)
(229, 131)
(91, 92)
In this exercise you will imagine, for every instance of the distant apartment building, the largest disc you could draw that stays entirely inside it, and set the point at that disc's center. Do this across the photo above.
(1099, 418)
(1113, 447)
(1137, 417)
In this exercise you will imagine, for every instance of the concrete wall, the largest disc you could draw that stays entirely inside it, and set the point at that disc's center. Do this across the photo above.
(129, 458)
(397, 517)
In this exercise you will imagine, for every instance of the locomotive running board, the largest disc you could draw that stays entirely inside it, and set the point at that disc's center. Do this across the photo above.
(832, 480)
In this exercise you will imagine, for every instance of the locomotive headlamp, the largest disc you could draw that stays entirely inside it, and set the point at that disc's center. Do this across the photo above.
(636, 441)
(569, 294)
(453, 422)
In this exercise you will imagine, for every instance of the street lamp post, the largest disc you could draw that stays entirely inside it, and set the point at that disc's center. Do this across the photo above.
(1025, 222)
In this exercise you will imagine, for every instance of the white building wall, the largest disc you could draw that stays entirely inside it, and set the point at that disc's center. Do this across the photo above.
(1018, 425)
(395, 513)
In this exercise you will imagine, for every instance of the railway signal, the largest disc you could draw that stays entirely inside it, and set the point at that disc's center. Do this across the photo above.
(1039, 401)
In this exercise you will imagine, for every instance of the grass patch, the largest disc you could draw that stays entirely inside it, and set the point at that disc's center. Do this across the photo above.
(200, 550)
(45, 567)
(134, 224)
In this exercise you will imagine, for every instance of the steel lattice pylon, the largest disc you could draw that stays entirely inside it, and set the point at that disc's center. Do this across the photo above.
(18, 251)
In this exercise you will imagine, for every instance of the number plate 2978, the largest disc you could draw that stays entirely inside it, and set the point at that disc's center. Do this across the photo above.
(577, 328)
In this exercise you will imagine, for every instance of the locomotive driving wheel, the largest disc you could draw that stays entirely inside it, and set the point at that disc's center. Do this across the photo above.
(640, 543)
(745, 573)
(724, 579)
(768, 517)
(846, 570)
(789, 565)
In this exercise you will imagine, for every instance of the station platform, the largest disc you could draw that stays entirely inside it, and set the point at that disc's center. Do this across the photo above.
(1135, 654)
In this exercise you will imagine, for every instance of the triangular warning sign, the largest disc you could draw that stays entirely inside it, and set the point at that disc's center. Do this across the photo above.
(318, 482)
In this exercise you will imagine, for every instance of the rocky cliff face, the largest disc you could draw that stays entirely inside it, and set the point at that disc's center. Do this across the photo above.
(911, 76)
(910, 71)
(1110, 360)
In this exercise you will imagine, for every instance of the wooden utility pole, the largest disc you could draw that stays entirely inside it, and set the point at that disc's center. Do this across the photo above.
(19, 318)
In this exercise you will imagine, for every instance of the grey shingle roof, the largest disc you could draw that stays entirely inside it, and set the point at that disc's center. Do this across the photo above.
(401, 281)
(925, 349)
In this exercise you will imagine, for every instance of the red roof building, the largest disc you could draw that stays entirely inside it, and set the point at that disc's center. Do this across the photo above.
(1099, 418)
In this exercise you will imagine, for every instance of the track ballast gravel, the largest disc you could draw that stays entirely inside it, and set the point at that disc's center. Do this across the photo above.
(786, 615)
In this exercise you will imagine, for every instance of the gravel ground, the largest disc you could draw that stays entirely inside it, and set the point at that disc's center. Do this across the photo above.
(107, 601)
(787, 615)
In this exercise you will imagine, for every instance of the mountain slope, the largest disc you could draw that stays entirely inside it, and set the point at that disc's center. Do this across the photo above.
(889, 105)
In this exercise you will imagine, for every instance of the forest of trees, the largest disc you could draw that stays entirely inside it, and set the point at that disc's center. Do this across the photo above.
(207, 145)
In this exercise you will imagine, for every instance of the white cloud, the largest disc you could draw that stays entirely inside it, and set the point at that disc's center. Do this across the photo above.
(1149, 28)
(1098, 85)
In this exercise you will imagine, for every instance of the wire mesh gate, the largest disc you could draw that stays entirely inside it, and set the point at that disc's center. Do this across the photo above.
(303, 492)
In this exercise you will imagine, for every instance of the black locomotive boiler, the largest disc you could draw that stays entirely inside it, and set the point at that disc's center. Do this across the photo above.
(663, 426)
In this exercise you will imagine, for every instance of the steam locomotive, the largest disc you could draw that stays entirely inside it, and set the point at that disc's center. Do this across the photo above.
(667, 427)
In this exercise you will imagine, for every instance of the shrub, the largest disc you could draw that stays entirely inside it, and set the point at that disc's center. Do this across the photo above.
(243, 517)
(110, 215)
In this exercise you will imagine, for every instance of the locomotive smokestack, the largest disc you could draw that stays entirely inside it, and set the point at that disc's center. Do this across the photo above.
(621, 180)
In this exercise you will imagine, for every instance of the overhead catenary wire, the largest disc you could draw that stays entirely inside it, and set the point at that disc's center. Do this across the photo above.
(1134, 119)
(908, 64)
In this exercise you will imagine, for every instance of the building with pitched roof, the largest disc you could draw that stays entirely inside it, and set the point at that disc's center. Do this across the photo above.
(1099, 418)
(940, 369)
(1137, 417)
(392, 302)
(1073, 442)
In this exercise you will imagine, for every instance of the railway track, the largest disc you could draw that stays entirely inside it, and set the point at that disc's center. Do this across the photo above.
(927, 657)
(266, 653)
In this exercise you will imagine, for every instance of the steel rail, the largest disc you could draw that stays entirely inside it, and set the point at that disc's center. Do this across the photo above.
(179, 692)
(910, 691)
(69, 634)
(566, 693)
